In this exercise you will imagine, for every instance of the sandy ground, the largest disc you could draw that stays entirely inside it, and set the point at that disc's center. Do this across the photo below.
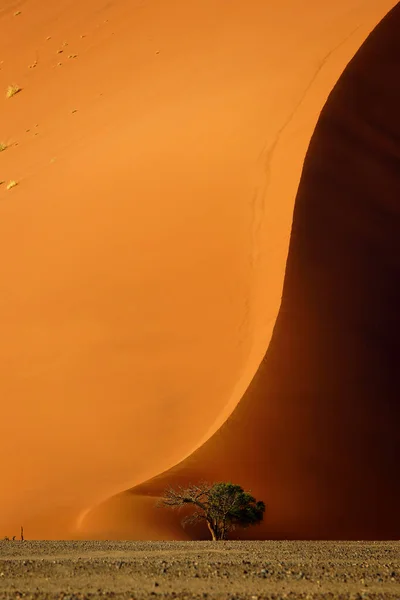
(252, 570)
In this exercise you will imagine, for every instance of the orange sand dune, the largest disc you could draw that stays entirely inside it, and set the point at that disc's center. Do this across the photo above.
(157, 148)
(317, 432)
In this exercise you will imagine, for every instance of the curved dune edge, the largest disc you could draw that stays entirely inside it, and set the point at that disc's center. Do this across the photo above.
(139, 143)
(106, 520)
(124, 319)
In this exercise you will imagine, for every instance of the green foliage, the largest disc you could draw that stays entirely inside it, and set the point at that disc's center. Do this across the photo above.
(231, 503)
(223, 506)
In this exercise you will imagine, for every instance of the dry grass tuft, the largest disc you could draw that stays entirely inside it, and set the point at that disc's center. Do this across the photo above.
(11, 184)
(3, 146)
(12, 90)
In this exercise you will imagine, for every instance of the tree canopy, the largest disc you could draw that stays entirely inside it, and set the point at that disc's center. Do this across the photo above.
(223, 506)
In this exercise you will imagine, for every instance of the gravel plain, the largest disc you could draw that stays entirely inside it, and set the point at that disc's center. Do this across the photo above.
(199, 570)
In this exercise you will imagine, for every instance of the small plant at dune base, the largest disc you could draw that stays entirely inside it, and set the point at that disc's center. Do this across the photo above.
(222, 506)
(3, 147)
(14, 537)
(12, 90)
(11, 184)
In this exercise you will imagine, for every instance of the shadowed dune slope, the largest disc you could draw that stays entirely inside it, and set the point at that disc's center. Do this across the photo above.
(157, 146)
(317, 432)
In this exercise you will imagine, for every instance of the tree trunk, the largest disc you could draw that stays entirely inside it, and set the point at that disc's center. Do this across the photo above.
(223, 530)
(213, 531)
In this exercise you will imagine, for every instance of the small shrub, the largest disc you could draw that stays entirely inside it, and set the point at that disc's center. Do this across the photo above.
(3, 146)
(11, 184)
(12, 90)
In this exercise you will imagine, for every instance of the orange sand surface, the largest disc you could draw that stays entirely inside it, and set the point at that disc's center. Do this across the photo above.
(157, 146)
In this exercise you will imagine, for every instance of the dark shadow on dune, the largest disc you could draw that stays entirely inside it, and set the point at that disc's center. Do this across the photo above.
(317, 433)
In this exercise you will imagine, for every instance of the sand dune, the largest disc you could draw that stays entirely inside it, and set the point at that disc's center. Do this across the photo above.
(316, 434)
(157, 148)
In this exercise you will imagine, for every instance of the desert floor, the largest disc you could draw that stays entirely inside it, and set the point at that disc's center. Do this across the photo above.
(248, 570)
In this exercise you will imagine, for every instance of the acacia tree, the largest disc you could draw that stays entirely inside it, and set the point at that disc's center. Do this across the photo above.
(223, 506)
